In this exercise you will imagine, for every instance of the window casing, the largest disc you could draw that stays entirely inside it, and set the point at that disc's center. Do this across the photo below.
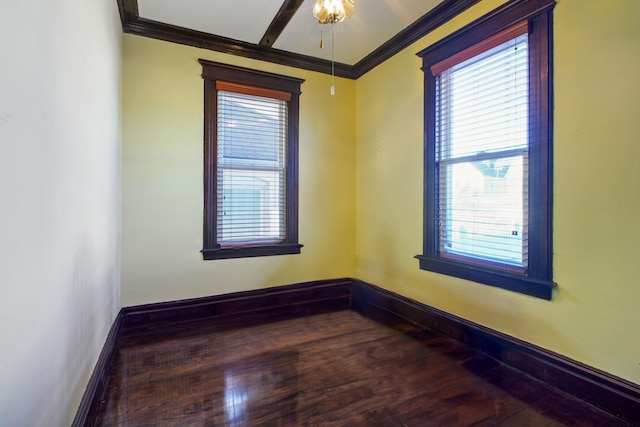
(250, 162)
(488, 151)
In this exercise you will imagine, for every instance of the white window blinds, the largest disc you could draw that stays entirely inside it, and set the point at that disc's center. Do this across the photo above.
(482, 98)
(251, 162)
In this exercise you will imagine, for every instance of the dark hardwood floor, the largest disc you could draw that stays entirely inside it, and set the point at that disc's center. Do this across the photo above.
(333, 369)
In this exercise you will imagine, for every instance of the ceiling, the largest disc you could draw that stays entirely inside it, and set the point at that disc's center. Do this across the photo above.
(285, 31)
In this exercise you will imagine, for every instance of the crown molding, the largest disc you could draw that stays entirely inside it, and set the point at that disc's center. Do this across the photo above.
(132, 23)
(437, 16)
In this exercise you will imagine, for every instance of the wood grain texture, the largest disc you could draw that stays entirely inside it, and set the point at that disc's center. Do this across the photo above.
(596, 387)
(337, 368)
(270, 314)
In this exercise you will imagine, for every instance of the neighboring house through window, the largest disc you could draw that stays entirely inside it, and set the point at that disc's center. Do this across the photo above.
(251, 162)
(488, 151)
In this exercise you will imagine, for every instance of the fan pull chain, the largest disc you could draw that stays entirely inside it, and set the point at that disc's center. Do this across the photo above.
(333, 80)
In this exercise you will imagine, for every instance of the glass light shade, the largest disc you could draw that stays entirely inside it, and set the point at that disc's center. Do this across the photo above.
(333, 11)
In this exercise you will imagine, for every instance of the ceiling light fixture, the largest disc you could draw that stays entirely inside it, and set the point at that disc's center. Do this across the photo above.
(332, 12)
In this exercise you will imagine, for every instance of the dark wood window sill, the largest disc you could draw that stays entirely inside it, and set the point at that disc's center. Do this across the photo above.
(251, 251)
(503, 279)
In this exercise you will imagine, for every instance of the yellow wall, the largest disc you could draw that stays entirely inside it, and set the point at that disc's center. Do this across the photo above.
(595, 311)
(162, 180)
(361, 186)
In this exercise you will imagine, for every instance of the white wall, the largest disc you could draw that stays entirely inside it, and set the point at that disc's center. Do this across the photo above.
(60, 71)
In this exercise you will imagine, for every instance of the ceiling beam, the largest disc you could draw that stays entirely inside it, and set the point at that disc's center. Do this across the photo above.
(189, 37)
(280, 21)
(132, 23)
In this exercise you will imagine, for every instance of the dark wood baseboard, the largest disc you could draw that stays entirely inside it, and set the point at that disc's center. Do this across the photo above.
(611, 394)
(614, 395)
(97, 382)
(298, 299)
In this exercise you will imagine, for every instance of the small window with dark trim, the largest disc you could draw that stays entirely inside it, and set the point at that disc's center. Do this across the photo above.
(250, 162)
(488, 151)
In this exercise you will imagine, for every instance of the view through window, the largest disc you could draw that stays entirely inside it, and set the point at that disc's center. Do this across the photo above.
(482, 162)
(252, 135)
(488, 151)
(250, 162)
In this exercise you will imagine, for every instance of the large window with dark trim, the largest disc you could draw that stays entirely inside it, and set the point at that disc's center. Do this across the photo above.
(250, 162)
(488, 148)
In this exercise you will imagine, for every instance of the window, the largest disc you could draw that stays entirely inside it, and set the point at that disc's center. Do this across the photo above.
(487, 183)
(251, 162)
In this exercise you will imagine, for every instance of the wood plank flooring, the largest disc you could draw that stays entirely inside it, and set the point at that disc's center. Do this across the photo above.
(333, 369)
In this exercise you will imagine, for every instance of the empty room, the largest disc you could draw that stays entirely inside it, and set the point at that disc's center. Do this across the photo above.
(310, 212)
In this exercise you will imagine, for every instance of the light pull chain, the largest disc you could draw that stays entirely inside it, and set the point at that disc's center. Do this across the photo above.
(333, 80)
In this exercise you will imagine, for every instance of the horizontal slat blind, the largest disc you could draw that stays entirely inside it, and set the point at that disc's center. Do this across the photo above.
(481, 47)
(252, 135)
(482, 154)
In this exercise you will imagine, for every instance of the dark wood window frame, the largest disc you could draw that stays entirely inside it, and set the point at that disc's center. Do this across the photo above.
(213, 72)
(536, 280)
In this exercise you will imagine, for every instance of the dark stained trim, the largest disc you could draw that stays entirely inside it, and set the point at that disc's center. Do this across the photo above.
(128, 10)
(132, 23)
(414, 32)
(300, 299)
(171, 33)
(537, 279)
(503, 16)
(90, 402)
(607, 392)
(614, 395)
(211, 73)
(280, 21)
